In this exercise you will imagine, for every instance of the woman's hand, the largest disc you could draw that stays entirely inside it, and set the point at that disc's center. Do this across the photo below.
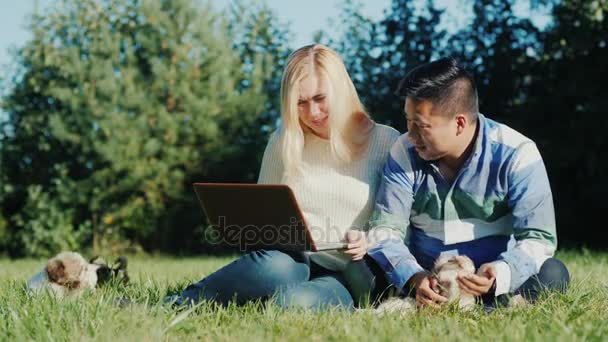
(480, 283)
(357, 244)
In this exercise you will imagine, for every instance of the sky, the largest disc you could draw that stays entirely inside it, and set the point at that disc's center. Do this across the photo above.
(303, 17)
(12, 27)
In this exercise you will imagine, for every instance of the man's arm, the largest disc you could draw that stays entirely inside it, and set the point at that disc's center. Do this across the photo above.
(390, 218)
(531, 202)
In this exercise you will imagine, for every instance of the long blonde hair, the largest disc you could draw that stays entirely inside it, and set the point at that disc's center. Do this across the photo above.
(349, 124)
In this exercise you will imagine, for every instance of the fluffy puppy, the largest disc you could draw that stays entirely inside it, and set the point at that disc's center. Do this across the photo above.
(445, 270)
(66, 274)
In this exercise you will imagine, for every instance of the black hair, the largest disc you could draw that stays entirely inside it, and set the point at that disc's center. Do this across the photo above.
(445, 83)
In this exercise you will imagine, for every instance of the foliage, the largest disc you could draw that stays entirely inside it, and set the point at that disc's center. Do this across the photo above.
(377, 53)
(130, 102)
(46, 227)
(501, 50)
(566, 114)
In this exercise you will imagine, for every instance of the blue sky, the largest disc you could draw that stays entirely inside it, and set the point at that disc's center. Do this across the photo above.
(303, 17)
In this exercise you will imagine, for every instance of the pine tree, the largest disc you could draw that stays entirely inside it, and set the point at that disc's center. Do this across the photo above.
(122, 104)
(567, 111)
(501, 50)
(379, 54)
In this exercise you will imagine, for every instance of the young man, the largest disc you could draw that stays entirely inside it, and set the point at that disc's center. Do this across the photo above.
(460, 183)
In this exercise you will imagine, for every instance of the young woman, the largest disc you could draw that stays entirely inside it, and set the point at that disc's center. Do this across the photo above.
(331, 154)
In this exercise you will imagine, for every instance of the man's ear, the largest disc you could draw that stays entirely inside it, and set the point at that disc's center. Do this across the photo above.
(461, 122)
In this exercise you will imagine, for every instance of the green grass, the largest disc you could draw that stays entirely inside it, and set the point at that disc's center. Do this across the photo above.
(581, 314)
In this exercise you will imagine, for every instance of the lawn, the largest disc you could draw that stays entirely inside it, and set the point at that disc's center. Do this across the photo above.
(579, 315)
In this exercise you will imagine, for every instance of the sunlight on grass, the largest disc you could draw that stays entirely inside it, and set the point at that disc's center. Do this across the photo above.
(578, 314)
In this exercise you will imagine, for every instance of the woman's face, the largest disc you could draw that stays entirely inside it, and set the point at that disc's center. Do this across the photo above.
(312, 105)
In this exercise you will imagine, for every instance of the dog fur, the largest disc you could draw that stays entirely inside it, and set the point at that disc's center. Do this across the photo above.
(68, 274)
(107, 273)
(65, 275)
(445, 270)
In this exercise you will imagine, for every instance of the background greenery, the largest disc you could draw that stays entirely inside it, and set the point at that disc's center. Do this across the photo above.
(120, 105)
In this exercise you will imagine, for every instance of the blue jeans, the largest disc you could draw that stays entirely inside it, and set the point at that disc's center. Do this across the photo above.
(553, 276)
(288, 279)
(427, 249)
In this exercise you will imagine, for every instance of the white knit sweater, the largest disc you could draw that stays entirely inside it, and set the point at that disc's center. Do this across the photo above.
(334, 197)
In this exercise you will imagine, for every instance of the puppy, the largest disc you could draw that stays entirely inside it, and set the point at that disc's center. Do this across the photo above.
(445, 271)
(66, 274)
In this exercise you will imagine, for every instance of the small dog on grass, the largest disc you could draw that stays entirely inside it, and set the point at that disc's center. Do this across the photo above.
(68, 274)
(445, 271)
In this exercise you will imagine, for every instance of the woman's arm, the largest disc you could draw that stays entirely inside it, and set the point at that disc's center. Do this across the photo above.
(271, 171)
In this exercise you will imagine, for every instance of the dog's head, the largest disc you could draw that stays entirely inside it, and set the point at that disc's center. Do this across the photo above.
(446, 270)
(71, 271)
(69, 274)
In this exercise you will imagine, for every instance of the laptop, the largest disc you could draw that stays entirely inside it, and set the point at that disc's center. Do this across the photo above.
(257, 216)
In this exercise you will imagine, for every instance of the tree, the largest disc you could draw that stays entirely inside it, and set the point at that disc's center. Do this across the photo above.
(261, 43)
(501, 50)
(122, 104)
(566, 109)
(378, 54)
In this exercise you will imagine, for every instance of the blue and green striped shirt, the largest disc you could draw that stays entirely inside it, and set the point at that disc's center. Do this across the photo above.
(502, 191)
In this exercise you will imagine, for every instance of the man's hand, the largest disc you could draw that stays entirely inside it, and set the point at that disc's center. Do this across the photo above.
(357, 244)
(424, 284)
(480, 283)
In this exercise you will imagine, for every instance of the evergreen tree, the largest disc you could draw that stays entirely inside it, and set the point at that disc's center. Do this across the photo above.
(566, 109)
(378, 54)
(122, 104)
(501, 50)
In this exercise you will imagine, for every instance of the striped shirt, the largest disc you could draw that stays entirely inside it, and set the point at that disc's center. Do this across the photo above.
(501, 193)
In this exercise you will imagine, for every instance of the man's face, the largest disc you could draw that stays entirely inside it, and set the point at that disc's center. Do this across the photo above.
(433, 133)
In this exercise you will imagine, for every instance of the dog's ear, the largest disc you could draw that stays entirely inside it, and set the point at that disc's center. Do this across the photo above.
(121, 263)
(104, 274)
(56, 271)
(441, 261)
(120, 270)
(465, 263)
(98, 260)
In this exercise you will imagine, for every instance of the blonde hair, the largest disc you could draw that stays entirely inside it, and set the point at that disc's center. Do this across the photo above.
(349, 125)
